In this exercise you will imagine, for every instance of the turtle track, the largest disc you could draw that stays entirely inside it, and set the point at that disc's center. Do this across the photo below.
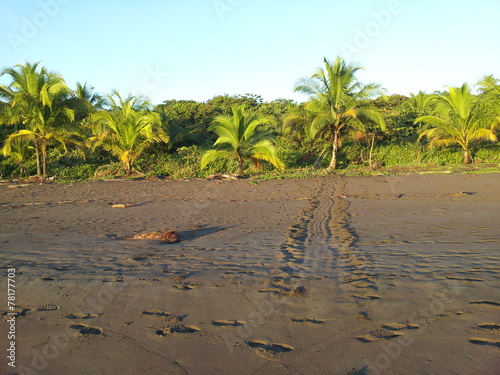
(321, 242)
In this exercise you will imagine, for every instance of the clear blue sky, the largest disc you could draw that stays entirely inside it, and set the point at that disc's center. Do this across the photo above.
(196, 49)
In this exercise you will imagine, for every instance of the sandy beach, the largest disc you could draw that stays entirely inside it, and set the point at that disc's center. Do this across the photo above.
(334, 275)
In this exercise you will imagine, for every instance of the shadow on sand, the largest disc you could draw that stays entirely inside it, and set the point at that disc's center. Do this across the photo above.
(194, 234)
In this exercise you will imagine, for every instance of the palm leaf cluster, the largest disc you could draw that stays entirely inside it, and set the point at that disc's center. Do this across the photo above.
(461, 119)
(240, 140)
(126, 129)
(35, 101)
(337, 102)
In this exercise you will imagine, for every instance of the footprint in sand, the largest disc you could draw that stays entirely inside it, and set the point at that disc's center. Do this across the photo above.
(473, 279)
(488, 328)
(187, 286)
(180, 328)
(87, 330)
(364, 284)
(156, 313)
(166, 315)
(82, 316)
(451, 314)
(304, 319)
(228, 323)
(268, 350)
(48, 278)
(486, 342)
(279, 290)
(379, 334)
(363, 315)
(48, 307)
(366, 296)
(490, 303)
(388, 331)
(178, 279)
(400, 326)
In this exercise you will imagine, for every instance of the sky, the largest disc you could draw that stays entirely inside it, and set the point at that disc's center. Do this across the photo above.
(197, 49)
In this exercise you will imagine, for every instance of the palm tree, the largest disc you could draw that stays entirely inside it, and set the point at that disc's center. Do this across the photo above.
(490, 84)
(84, 101)
(36, 102)
(176, 133)
(126, 129)
(338, 101)
(296, 127)
(490, 94)
(238, 139)
(420, 104)
(19, 153)
(461, 119)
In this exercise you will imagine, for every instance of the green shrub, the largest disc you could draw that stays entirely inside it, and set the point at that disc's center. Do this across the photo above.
(72, 165)
(183, 163)
(10, 169)
(488, 154)
(441, 156)
(398, 154)
(76, 172)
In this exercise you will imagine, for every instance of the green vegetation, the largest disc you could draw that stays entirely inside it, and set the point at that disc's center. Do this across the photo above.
(239, 139)
(36, 102)
(461, 119)
(337, 101)
(347, 126)
(126, 129)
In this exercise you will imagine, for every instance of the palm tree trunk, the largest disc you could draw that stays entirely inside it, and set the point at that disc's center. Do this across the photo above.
(372, 144)
(43, 150)
(241, 172)
(467, 156)
(333, 163)
(38, 161)
(128, 167)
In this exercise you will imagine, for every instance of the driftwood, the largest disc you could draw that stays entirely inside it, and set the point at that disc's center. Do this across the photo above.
(170, 236)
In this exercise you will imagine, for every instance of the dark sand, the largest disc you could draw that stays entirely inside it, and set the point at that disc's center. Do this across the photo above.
(376, 275)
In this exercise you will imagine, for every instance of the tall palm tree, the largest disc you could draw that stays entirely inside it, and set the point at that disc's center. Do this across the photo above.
(36, 102)
(126, 129)
(338, 101)
(461, 119)
(239, 139)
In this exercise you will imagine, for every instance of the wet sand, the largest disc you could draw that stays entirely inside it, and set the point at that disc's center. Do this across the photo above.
(375, 275)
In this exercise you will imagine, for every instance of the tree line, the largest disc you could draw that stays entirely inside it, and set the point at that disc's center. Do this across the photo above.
(42, 120)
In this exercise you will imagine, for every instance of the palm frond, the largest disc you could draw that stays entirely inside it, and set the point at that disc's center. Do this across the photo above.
(265, 151)
(212, 155)
(431, 120)
(485, 135)
(442, 142)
